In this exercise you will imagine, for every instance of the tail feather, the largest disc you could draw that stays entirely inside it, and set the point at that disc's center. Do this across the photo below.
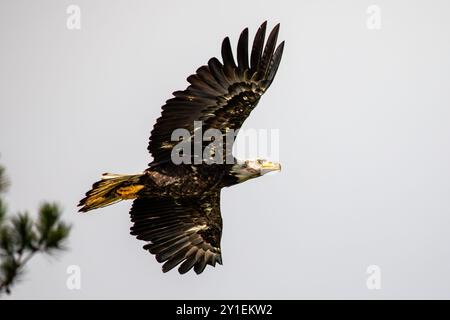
(110, 189)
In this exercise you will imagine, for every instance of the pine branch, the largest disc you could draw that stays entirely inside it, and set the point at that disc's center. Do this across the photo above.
(4, 183)
(21, 238)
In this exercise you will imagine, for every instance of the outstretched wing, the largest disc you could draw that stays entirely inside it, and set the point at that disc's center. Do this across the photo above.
(221, 95)
(180, 231)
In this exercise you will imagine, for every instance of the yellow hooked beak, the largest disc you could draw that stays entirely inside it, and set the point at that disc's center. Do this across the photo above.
(269, 166)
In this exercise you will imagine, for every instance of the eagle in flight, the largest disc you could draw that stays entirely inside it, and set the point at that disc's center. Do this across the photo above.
(176, 207)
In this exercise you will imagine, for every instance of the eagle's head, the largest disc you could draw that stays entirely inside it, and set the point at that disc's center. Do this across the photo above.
(249, 169)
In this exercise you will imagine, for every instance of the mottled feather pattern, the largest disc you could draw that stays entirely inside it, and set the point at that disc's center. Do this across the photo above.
(180, 232)
(176, 208)
(220, 89)
(222, 95)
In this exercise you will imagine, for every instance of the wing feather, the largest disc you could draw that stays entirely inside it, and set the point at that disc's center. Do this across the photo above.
(221, 94)
(180, 231)
(258, 45)
(228, 59)
(268, 52)
(242, 52)
(217, 72)
(275, 62)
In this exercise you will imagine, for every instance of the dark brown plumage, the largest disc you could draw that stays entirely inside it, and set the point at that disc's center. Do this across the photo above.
(220, 95)
(177, 207)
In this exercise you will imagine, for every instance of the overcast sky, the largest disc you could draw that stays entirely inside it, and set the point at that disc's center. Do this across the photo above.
(362, 106)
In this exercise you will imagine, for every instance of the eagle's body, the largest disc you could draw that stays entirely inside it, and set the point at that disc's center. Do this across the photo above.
(186, 180)
(176, 207)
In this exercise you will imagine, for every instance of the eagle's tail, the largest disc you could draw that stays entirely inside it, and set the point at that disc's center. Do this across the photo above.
(110, 189)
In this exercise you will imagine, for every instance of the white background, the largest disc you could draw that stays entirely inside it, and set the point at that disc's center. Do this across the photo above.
(364, 142)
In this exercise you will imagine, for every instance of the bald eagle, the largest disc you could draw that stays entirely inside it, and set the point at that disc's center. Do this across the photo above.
(176, 207)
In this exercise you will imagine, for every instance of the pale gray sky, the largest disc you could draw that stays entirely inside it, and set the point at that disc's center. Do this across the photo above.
(363, 117)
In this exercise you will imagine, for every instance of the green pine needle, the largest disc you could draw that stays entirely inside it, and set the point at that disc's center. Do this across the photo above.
(21, 237)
